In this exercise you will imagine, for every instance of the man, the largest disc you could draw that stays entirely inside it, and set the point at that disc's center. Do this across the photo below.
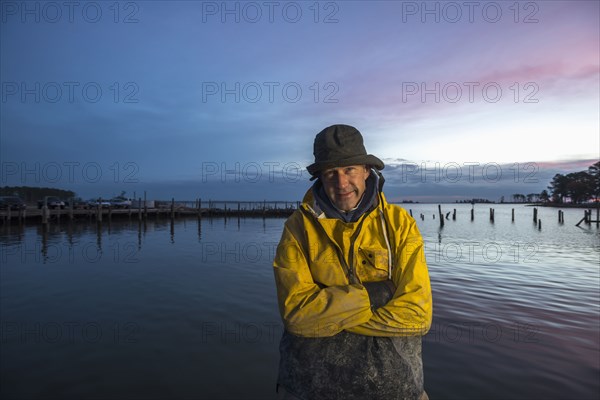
(352, 283)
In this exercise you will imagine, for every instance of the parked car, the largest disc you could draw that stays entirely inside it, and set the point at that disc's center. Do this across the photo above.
(93, 203)
(12, 202)
(52, 202)
(120, 202)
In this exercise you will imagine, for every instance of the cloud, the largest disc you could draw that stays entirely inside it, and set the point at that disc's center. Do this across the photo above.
(362, 62)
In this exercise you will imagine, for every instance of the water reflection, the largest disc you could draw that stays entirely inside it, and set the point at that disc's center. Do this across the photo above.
(70, 234)
(173, 230)
(521, 302)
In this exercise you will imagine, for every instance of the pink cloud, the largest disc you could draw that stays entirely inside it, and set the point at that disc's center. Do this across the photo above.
(566, 165)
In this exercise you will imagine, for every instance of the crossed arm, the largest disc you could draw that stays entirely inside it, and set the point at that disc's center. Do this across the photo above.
(309, 309)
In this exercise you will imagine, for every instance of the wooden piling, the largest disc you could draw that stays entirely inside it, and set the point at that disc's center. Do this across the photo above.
(454, 215)
(588, 218)
(145, 206)
(491, 215)
(139, 208)
(513, 215)
(472, 214)
(441, 216)
(535, 216)
(539, 224)
(45, 214)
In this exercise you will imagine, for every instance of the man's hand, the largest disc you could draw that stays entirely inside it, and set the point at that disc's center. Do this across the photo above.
(380, 293)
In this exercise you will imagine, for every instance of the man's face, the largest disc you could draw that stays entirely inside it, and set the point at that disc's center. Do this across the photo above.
(345, 185)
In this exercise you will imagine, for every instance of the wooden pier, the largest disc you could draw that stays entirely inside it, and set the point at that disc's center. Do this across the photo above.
(142, 210)
(588, 219)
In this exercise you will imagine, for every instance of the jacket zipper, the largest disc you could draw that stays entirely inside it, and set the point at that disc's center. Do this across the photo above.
(347, 270)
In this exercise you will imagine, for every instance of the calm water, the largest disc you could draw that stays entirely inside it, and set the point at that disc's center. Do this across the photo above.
(188, 310)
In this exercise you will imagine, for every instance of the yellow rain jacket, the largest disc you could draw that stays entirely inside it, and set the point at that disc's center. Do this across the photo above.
(320, 265)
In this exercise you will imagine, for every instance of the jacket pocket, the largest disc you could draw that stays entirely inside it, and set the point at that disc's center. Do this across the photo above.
(372, 263)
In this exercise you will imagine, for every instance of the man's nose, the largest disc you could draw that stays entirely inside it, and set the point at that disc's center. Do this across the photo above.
(341, 180)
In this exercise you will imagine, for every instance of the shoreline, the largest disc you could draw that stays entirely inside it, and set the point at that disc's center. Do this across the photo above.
(567, 205)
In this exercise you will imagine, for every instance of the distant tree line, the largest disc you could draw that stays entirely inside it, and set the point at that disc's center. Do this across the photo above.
(529, 198)
(579, 186)
(473, 201)
(32, 194)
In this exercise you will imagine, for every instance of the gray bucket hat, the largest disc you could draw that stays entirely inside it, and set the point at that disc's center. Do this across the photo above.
(340, 146)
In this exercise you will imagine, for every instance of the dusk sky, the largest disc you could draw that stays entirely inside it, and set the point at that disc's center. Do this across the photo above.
(223, 100)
